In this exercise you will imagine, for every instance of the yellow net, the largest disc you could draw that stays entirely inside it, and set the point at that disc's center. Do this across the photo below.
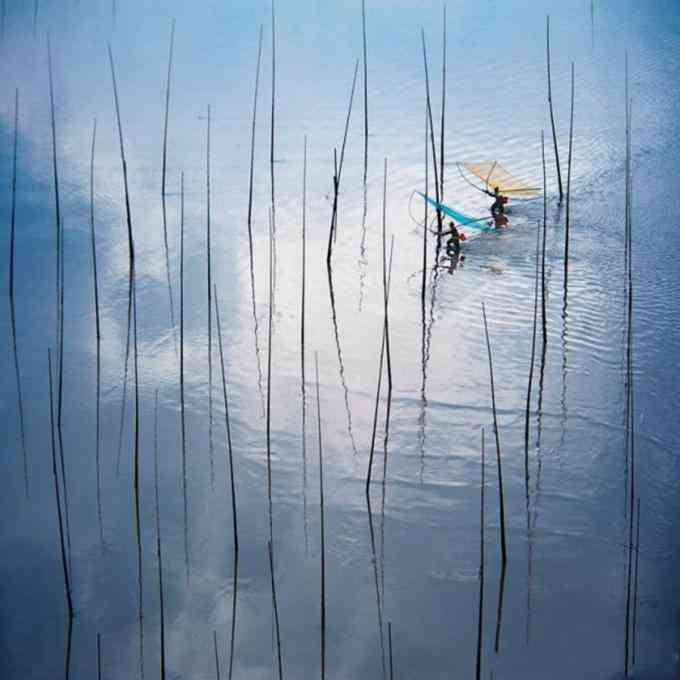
(493, 174)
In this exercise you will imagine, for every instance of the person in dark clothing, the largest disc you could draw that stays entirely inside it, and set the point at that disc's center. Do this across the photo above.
(498, 206)
(453, 243)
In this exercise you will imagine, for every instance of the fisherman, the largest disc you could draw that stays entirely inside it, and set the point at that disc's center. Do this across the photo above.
(498, 206)
(453, 243)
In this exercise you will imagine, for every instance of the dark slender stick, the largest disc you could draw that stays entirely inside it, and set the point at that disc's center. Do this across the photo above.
(126, 366)
(14, 194)
(20, 400)
(99, 656)
(544, 321)
(567, 216)
(389, 638)
(269, 377)
(363, 34)
(67, 582)
(227, 424)
(637, 578)
(480, 616)
(374, 562)
(377, 395)
(233, 615)
(429, 113)
(552, 116)
(425, 218)
(338, 169)
(250, 221)
(217, 656)
(209, 265)
(55, 169)
(163, 182)
(159, 552)
(135, 365)
(384, 273)
(531, 368)
(323, 529)
(499, 610)
(441, 146)
(99, 339)
(498, 443)
(69, 641)
(181, 374)
(276, 609)
(272, 129)
(60, 388)
(302, 341)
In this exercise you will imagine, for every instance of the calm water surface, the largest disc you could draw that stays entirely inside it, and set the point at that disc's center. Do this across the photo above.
(412, 557)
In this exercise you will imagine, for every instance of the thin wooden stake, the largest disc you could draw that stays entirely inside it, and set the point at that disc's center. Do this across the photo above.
(480, 616)
(338, 170)
(163, 183)
(99, 656)
(441, 147)
(209, 265)
(389, 639)
(567, 216)
(531, 367)
(498, 443)
(99, 339)
(269, 377)
(17, 373)
(181, 374)
(429, 112)
(637, 576)
(323, 527)
(217, 656)
(227, 424)
(552, 116)
(363, 33)
(276, 610)
(67, 582)
(303, 381)
(544, 321)
(159, 552)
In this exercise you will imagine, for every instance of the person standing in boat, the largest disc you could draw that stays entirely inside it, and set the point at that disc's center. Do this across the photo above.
(498, 206)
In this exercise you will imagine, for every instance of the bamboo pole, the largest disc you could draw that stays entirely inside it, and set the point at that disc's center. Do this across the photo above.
(429, 111)
(99, 338)
(389, 638)
(498, 443)
(441, 147)
(227, 424)
(20, 401)
(531, 368)
(269, 377)
(377, 395)
(303, 388)
(567, 216)
(637, 575)
(209, 265)
(544, 322)
(217, 656)
(276, 610)
(363, 33)
(181, 374)
(159, 552)
(323, 527)
(163, 182)
(550, 104)
(67, 581)
(135, 364)
(338, 170)
(250, 221)
(480, 616)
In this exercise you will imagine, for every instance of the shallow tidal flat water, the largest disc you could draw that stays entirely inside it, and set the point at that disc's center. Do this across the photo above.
(136, 421)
